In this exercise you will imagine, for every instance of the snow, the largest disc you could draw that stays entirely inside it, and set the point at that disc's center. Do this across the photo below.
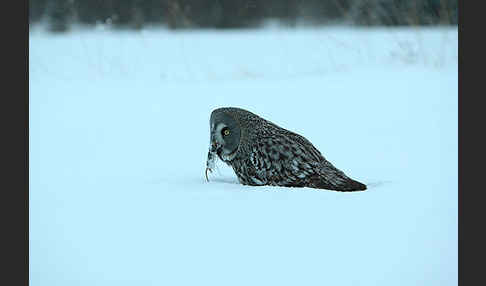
(119, 134)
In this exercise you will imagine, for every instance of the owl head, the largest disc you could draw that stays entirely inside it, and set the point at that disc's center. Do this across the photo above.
(225, 134)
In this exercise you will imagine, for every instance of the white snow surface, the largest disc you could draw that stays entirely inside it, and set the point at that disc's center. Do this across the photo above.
(119, 134)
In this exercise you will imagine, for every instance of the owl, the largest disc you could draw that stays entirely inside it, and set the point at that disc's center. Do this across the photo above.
(262, 153)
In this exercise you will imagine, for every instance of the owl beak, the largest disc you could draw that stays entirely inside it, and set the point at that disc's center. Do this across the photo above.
(214, 146)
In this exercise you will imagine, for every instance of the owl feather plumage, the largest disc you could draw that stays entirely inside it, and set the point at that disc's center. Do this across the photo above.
(262, 153)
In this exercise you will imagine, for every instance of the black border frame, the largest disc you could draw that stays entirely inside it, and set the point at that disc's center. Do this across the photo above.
(15, 159)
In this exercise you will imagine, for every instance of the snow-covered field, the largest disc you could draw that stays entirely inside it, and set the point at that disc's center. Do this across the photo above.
(119, 133)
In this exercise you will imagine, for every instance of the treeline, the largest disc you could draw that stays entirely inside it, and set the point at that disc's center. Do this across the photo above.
(178, 14)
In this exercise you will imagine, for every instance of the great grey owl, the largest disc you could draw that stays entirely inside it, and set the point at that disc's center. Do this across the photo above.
(262, 153)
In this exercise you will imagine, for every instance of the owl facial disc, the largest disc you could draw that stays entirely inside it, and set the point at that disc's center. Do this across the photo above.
(224, 139)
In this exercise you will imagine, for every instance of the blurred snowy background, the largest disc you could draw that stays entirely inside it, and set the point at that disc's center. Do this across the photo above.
(120, 98)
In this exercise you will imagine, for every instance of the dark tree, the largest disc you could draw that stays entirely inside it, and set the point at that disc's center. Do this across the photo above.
(37, 9)
(214, 13)
(59, 13)
(322, 12)
(177, 14)
(95, 11)
(241, 13)
(286, 11)
(154, 11)
(404, 12)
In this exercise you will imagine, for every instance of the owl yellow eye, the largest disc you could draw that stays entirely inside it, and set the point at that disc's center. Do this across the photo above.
(225, 131)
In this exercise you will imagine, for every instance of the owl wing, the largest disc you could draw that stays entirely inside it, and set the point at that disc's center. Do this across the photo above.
(281, 161)
(291, 160)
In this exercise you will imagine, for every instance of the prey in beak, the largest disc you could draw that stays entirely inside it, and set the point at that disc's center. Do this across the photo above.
(212, 155)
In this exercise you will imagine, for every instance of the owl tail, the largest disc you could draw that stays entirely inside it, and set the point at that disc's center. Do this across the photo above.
(337, 181)
(351, 186)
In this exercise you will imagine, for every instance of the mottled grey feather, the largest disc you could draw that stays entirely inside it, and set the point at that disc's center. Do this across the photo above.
(270, 155)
